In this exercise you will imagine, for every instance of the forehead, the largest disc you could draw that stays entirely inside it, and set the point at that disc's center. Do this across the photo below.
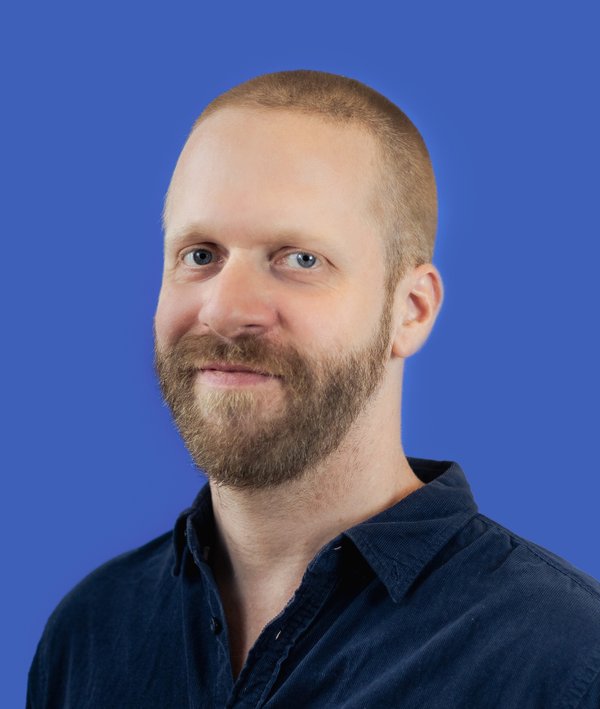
(247, 168)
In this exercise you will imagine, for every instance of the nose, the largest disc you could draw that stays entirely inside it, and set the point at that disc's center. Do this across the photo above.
(238, 299)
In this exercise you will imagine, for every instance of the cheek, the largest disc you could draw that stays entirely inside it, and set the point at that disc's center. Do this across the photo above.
(174, 317)
(321, 330)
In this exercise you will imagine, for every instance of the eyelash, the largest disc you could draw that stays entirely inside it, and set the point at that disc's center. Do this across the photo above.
(291, 253)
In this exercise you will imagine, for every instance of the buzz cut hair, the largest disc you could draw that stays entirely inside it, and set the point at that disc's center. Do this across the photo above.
(404, 199)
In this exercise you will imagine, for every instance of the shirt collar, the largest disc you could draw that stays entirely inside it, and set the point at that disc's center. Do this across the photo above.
(397, 543)
(184, 531)
(400, 541)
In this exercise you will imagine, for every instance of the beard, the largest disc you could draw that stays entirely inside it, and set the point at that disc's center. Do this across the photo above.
(262, 436)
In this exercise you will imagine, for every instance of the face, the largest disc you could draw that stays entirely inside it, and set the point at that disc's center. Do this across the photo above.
(272, 262)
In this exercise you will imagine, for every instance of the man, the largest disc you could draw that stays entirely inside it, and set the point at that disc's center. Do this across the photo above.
(319, 566)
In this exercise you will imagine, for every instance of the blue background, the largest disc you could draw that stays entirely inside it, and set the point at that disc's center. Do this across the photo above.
(98, 99)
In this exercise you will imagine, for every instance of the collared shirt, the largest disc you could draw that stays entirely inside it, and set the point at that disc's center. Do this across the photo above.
(428, 604)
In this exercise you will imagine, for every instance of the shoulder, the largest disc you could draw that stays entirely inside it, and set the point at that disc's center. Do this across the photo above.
(532, 569)
(124, 583)
(99, 616)
(537, 606)
(119, 580)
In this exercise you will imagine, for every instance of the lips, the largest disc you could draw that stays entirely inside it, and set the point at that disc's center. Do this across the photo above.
(232, 378)
(216, 366)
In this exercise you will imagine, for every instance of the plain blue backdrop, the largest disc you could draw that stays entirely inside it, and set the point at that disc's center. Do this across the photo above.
(97, 101)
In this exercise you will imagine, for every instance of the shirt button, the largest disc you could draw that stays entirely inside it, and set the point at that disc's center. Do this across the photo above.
(215, 625)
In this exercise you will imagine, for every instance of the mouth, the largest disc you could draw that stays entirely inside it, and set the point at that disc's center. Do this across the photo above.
(237, 368)
(233, 375)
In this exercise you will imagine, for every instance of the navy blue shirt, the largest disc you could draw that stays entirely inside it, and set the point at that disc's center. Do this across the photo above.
(428, 604)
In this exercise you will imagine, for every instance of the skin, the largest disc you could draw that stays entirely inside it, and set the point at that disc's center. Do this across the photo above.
(295, 460)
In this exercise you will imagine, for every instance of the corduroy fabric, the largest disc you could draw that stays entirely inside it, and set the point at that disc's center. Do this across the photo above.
(429, 604)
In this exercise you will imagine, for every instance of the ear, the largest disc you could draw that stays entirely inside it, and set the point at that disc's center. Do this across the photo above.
(418, 300)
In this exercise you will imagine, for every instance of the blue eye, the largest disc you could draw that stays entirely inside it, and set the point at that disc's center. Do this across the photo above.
(201, 257)
(303, 259)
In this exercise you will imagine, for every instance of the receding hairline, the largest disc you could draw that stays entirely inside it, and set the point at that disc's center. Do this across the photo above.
(405, 202)
(355, 125)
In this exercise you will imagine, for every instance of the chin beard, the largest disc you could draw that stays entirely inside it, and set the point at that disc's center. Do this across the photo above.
(264, 436)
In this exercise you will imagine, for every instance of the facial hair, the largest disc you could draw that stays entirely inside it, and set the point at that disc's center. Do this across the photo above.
(254, 437)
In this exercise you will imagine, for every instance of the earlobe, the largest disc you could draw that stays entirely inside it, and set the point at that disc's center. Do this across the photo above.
(418, 301)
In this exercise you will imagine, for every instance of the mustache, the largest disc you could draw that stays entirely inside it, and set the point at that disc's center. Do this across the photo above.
(192, 352)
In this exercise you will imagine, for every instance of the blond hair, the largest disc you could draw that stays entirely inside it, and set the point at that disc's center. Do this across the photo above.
(404, 202)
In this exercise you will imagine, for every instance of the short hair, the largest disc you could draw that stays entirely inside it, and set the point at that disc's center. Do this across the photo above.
(404, 202)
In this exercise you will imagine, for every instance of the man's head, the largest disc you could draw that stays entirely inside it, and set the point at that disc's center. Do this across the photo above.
(291, 248)
(403, 201)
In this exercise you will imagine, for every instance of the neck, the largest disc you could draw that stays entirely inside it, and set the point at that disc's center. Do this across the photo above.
(266, 538)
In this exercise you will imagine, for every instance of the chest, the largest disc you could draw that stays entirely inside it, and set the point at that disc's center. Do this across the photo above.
(244, 625)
